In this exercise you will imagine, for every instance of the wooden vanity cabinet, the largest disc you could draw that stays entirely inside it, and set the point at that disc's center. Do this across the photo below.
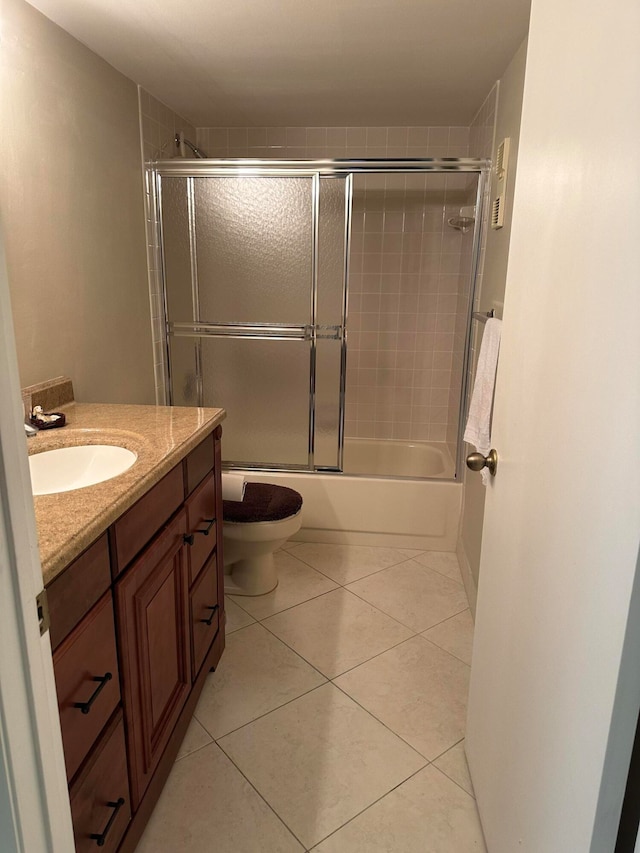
(156, 574)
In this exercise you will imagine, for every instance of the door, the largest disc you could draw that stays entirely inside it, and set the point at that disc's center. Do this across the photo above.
(554, 685)
(254, 269)
(34, 800)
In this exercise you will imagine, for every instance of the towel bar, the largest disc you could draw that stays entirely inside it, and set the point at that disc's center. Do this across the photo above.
(482, 317)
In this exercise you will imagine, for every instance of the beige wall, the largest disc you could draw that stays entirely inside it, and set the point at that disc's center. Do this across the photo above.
(71, 202)
(158, 128)
(491, 285)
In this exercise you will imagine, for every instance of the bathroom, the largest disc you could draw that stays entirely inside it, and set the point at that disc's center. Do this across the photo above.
(77, 132)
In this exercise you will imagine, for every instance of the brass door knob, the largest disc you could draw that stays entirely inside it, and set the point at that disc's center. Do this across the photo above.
(476, 461)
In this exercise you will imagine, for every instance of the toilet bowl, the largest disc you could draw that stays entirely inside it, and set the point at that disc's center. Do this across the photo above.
(252, 530)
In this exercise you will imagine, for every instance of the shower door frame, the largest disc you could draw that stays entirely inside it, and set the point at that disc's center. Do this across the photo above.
(315, 169)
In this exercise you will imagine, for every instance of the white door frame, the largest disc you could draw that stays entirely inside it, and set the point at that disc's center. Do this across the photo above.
(34, 801)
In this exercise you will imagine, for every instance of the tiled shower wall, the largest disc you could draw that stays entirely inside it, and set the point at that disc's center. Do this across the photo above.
(158, 128)
(481, 133)
(315, 142)
(405, 270)
(404, 285)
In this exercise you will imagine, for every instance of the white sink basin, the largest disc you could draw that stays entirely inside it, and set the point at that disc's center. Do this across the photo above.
(71, 468)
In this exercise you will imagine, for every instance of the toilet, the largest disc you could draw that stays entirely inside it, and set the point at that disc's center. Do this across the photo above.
(252, 530)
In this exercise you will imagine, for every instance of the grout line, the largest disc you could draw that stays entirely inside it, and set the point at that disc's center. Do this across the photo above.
(266, 713)
(382, 723)
(261, 619)
(198, 749)
(373, 657)
(446, 651)
(351, 819)
(370, 574)
(446, 775)
(446, 619)
(303, 659)
(264, 800)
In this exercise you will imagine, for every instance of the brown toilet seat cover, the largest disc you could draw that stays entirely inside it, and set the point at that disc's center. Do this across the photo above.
(263, 502)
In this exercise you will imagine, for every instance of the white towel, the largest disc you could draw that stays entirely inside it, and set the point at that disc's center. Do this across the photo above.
(478, 429)
(233, 486)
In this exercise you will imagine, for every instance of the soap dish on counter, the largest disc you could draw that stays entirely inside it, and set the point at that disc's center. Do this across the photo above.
(46, 420)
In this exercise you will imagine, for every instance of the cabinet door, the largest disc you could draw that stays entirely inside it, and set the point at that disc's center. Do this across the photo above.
(153, 603)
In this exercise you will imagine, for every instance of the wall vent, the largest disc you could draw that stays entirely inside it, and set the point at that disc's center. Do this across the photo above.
(502, 159)
(497, 212)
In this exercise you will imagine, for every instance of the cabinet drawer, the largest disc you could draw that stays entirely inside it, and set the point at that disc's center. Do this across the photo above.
(87, 682)
(205, 614)
(77, 589)
(201, 526)
(135, 528)
(100, 803)
(198, 463)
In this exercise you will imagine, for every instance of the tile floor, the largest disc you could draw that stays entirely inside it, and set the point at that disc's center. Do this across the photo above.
(335, 720)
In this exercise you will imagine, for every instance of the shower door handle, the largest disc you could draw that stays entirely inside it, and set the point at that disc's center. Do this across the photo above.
(326, 333)
(476, 462)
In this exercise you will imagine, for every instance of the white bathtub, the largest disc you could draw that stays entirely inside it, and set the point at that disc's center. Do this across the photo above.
(358, 510)
(391, 458)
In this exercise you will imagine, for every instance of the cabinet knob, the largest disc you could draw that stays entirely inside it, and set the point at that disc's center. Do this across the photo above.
(189, 538)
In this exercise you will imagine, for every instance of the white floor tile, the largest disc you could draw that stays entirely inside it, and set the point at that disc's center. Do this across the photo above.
(195, 738)
(320, 760)
(454, 635)
(208, 805)
(297, 582)
(256, 674)
(445, 562)
(236, 617)
(347, 563)
(336, 631)
(413, 594)
(291, 543)
(454, 764)
(426, 814)
(416, 689)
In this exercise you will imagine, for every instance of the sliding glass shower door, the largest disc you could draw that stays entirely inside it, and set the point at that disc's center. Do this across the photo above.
(254, 273)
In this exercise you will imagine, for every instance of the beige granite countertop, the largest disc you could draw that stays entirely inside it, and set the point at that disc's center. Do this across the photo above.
(161, 436)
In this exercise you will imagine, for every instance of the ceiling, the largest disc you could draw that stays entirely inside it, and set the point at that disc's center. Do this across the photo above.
(296, 63)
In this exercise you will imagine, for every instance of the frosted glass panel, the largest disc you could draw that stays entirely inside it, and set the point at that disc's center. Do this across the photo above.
(328, 357)
(184, 387)
(331, 260)
(264, 386)
(176, 249)
(254, 240)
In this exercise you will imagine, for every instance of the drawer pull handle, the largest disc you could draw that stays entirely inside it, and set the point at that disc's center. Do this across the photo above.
(101, 838)
(213, 613)
(85, 707)
(210, 522)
